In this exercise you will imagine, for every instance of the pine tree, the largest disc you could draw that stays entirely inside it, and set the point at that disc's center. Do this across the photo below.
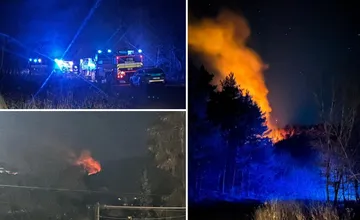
(239, 119)
(145, 194)
(167, 144)
(145, 198)
(200, 129)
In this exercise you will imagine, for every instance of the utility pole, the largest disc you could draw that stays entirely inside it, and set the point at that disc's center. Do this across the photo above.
(97, 211)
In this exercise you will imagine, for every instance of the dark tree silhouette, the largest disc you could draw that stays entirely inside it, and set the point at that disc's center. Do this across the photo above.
(200, 89)
(239, 119)
(167, 144)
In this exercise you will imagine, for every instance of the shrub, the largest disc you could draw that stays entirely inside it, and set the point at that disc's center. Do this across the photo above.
(276, 210)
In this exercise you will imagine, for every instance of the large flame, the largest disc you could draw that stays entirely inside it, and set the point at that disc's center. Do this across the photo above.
(88, 163)
(222, 41)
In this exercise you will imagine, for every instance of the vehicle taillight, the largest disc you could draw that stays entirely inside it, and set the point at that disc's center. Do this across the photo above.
(121, 75)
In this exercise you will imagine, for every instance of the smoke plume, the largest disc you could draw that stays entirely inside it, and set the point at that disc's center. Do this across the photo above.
(222, 44)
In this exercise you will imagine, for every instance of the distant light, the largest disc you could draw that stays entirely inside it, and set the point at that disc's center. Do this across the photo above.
(109, 51)
(91, 65)
(99, 51)
(35, 60)
(56, 60)
(39, 60)
(140, 50)
(71, 63)
(81, 60)
(30, 60)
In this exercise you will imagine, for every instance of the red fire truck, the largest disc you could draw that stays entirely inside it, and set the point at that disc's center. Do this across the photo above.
(127, 63)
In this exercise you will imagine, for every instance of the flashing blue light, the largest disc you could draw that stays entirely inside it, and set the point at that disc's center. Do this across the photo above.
(35, 60)
(109, 51)
(99, 51)
(30, 60)
(59, 63)
(139, 50)
(39, 60)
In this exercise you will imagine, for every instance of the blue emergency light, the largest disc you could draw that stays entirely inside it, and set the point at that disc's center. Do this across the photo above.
(35, 60)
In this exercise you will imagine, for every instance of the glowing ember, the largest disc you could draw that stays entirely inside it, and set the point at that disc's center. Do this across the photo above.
(278, 134)
(222, 41)
(88, 163)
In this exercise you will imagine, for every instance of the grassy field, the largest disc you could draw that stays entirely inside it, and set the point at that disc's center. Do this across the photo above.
(29, 92)
(274, 210)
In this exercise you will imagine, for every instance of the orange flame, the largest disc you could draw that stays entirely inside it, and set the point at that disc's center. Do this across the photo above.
(222, 41)
(88, 163)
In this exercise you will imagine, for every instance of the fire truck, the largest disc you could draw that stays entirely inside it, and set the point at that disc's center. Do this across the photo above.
(127, 63)
(120, 65)
(64, 66)
(37, 66)
(105, 65)
(87, 68)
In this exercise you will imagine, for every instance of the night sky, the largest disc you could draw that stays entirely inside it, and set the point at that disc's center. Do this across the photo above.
(301, 41)
(50, 26)
(109, 136)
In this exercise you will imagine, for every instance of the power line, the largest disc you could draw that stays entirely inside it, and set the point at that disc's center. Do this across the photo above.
(69, 190)
(173, 217)
(143, 207)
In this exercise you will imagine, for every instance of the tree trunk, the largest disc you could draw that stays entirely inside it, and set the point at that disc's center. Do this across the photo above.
(223, 180)
(356, 186)
(327, 190)
(230, 168)
(336, 192)
(327, 181)
(234, 178)
(343, 189)
(336, 189)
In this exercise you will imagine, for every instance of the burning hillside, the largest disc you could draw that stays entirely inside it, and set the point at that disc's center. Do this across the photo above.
(222, 41)
(88, 163)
